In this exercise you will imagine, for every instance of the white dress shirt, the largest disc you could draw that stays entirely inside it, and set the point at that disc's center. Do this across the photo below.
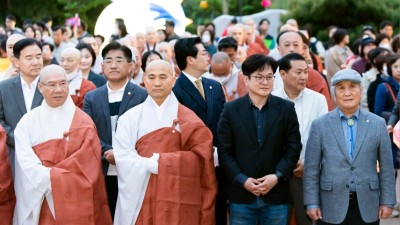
(29, 92)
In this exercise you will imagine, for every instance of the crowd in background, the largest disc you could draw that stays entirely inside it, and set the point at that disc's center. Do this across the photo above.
(374, 54)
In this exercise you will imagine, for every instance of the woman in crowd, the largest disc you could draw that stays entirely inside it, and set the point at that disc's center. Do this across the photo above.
(88, 58)
(207, 38)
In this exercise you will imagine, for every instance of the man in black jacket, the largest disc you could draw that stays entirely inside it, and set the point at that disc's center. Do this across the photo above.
(259, 147)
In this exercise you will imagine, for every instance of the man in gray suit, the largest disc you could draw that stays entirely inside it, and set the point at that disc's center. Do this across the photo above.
(20, 94)
(341, 182)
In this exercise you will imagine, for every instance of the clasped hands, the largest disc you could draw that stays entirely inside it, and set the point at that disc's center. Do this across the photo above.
(261, 186)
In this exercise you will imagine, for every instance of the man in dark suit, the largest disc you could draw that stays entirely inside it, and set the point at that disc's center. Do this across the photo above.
(259, 148)
(204, 97)
(107, 103)
(20, 94)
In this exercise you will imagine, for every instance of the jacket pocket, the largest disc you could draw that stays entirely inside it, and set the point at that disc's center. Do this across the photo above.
(326, 186)
(374, 185)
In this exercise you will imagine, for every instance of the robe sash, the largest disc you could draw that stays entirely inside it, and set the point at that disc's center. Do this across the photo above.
(183, 192)
(76, 177)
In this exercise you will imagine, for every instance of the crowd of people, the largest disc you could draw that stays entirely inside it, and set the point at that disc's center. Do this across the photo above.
(156, 128)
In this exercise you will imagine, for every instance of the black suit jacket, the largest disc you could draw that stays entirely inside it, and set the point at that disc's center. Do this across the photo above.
(96, 79)
(96, 106)
(208, 110)
(239, 151)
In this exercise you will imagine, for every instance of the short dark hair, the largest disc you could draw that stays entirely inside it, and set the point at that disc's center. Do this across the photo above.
(3, 42)
(384, 24)
(114, 45)
(47, 19)
(185, 47)
(391, 59)
(169, 23)
(23, 43)
(51, 46)
(264, 20)
(395, 43)
(82, 45)
(99, 36)
(147, 55)
(11, 17)
(83, 25)
(374, 53)
(62, 28)
(339, 35)
(285, 62)
(258, 62)
(227, 42)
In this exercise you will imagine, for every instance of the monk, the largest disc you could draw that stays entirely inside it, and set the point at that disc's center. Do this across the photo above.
(7, 196)
(164, 159)
(79, 86)
(58, 177)
(232, 80)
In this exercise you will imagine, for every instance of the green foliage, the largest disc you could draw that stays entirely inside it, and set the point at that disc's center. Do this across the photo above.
(352, 15)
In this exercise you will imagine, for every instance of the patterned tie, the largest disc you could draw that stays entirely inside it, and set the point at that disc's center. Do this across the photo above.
(200, 88)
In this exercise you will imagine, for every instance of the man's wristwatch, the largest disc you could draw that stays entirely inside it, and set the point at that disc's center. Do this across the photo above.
(279, 175)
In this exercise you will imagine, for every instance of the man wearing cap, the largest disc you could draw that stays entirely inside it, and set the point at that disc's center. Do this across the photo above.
(367, 44)
(341, 182)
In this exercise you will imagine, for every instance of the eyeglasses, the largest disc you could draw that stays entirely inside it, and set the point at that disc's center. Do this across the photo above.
(109, 62)
(260, 79)
(51, 85)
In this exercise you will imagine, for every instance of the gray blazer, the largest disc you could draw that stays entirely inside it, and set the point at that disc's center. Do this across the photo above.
(328, 168)
(12, 108)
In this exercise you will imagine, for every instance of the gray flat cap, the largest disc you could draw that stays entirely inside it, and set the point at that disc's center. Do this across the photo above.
(346, 74)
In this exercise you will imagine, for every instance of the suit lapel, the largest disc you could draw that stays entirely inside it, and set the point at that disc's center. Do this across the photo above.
(246, 116)
(337, 130)
(126, 98)
(192, 91)
(362, 128)
(209, 93)
(270, 118)
(103, 95)
(18, 94)
(37, 98)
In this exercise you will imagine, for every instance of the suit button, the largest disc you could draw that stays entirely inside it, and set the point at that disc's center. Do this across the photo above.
(347, 186)
(352, 168)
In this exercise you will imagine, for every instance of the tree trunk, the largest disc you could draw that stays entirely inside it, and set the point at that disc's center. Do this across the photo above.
(225, 7)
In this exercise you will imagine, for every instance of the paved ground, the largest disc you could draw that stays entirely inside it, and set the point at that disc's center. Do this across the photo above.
(391, 221)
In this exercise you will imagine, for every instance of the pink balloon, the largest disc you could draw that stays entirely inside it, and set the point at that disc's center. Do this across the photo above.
(266, 3)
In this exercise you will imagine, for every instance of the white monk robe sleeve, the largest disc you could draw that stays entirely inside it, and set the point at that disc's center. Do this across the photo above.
(32, 179)
(133, 170)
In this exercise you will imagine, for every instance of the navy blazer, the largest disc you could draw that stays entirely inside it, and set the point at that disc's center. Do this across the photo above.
(240, 153)
(97, 107)
(96, 79)
(208, 110)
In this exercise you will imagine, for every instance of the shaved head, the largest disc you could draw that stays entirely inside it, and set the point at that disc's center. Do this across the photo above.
(70, 59)
(50, 70)
(221, 64)
(10, 44)
(159, 64)
(159, 80)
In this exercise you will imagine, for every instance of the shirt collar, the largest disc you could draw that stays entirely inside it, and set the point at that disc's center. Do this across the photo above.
(32, 85)
(119, 90)
(252, 105)
(287, 97)
(355, 115)
(191, 78)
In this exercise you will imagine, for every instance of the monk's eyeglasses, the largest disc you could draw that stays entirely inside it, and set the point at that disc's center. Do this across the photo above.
(52, 85)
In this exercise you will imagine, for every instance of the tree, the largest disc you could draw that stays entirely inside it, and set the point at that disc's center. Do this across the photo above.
(318, 15)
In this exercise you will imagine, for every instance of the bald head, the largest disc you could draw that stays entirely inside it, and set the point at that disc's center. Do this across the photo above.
(159, 80)
(54, 85)
(165, 48)
(221, 64)
(159, 64)
(51, 70)
(293, 23)
(70, 59)
(11, 40)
